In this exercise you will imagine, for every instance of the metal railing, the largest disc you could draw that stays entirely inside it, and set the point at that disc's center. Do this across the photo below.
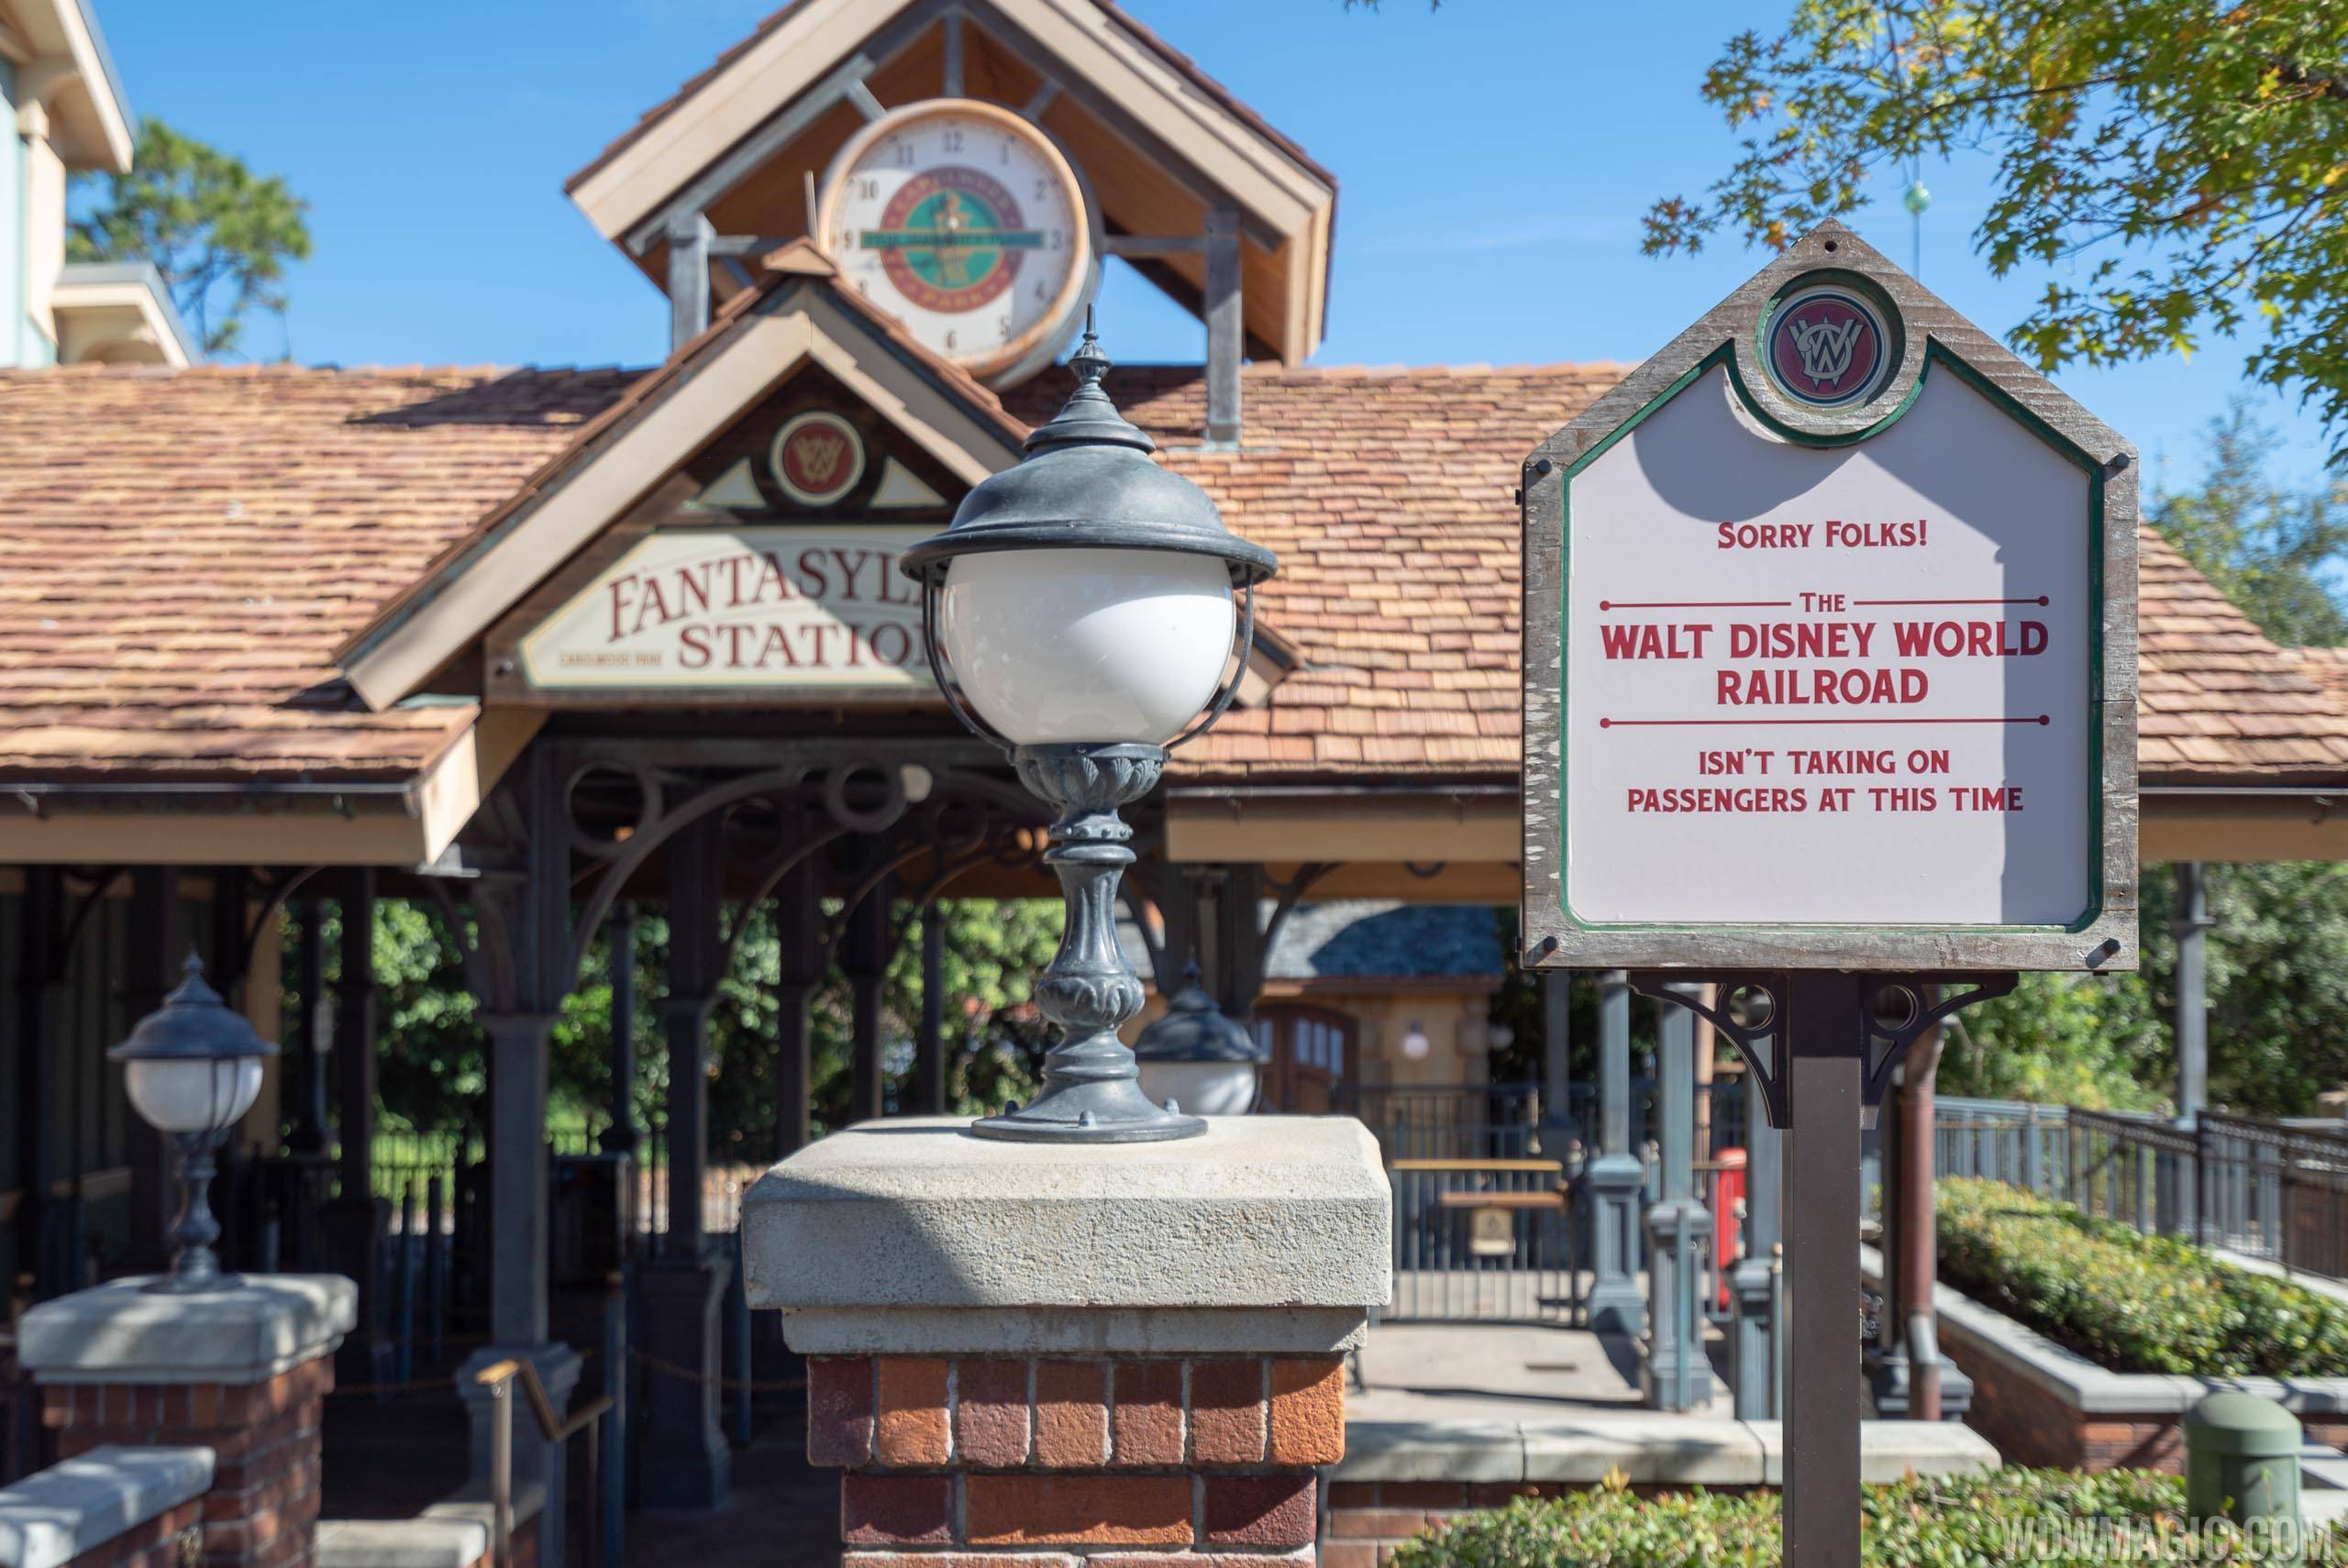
(2270, 1189)
(1484, 1240)
(499, 1378)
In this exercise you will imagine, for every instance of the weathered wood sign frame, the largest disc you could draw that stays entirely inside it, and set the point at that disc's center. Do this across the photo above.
(1928, 338)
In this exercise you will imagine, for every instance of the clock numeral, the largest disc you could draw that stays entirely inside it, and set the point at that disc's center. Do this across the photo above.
(1042, 292)
(868, 190)
(1043, 189)
(1002, 326)
(1004, 150)
(1059, 240)
(900, 151)
(953, 141)
(950, 338)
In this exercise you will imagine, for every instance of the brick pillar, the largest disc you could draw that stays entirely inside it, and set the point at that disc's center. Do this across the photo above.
(243, 1372)
(1024, 1353)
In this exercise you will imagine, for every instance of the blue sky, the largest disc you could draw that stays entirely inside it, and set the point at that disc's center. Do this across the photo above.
(1494, 159)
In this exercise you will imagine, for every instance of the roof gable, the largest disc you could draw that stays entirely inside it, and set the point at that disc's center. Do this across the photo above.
(1161, 142)
(635, 452)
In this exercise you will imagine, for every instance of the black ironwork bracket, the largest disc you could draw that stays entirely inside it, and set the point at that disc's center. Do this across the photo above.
(1896, 1010)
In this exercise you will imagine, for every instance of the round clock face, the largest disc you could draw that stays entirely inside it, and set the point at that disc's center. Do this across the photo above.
(964, 221)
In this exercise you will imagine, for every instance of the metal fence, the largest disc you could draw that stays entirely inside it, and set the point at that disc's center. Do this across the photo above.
(2270, 1189)
(1484, 1240)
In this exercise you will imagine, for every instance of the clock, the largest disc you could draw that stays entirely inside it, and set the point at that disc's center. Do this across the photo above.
(966, 223)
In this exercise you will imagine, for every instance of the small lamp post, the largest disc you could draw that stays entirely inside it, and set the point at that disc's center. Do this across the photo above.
(1082, 612)
(191, 1068)
(1196, 1056)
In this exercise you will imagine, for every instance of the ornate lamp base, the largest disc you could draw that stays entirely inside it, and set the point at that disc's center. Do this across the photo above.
(1092, 1088)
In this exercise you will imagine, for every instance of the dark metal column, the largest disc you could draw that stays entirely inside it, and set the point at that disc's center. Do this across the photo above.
(1754, 1344)
(40, 962)
(623, 1135)
(1827, 1043)
(157, 941)
(2192, 989)
(866, 961)
(798, 922)
(357, 1220)
(1557, 1048)
(686, 1462)
(314, 1016)
(1677, 1376)
(1615, 1175)
(930, 1053)
(1935, 1389)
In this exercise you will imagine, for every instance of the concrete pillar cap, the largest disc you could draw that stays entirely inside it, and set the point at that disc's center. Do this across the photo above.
(247, 1333)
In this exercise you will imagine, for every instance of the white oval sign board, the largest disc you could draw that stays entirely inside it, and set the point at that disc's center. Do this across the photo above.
(1830, 662)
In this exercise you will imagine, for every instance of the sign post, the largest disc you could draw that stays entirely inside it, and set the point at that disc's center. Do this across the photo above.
(1829, 699)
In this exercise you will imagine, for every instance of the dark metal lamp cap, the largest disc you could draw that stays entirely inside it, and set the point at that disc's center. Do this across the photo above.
(1088, 483)
(1195, 1030)
(193, 1026)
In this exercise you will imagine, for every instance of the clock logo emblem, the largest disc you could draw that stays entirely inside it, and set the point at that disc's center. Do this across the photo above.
(951, 240)
(1827, 347)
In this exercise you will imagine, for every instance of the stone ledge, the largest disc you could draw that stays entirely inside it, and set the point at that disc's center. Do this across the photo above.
(1043, 1331)
(249, 1333)
(1278, 1212)
(2093, 1390)
(1649, 1449)
(426, 1542)
(53, 1516)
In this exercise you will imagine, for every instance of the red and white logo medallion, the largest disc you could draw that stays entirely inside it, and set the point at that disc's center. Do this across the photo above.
(817, 458)
(1827, 346)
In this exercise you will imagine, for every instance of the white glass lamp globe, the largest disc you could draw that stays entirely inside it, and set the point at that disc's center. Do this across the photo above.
(1415, 1044)
(1088, 645)
(193, 1094)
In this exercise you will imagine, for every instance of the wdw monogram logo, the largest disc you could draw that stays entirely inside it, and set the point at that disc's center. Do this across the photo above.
(1825, 348)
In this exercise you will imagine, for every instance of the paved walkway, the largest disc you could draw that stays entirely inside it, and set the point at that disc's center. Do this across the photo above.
(1477, 1372)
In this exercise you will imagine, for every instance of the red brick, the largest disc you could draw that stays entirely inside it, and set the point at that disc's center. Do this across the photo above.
(896, 1510)
(840, 1410)
(1259, 1510)
(1071, 1414)
(958, 1560)
(1307, 1415)
(1378, 1524)
(1198, 1560)
(1078, 1510)
(910, 1422)
(1349, 1554)
(1147, 1412)
(991, 1413)
(1417, 1494)
(1227, 1412)
(1356, 1494)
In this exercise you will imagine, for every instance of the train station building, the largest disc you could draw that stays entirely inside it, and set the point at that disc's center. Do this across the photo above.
(536, 646)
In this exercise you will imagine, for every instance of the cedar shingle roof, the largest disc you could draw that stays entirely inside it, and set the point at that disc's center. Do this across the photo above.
(181, 553)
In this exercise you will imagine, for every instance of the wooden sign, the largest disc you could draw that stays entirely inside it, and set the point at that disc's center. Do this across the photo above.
(734, 609)
(1830, 648)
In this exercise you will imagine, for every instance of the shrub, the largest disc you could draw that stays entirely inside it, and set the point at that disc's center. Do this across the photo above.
(2130, 1302)
(2050, 1518)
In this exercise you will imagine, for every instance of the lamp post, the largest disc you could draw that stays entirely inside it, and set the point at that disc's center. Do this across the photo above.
(1196, 1056)
(1082, 611)
(191, 1068)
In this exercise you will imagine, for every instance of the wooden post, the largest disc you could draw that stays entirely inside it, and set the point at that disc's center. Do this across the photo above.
(1227, 327)
(797, 921)
(932, 1044)
(689, 242)
(157, 944)
(1826, 1062)
(866, 961)
(695, 947)
(622, 1135)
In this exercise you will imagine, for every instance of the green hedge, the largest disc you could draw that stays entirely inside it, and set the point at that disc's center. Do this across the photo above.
(2130, 1302)
(1972, 1521)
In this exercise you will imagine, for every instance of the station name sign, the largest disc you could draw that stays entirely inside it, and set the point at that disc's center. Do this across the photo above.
(746, 607)
(1830, 657)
